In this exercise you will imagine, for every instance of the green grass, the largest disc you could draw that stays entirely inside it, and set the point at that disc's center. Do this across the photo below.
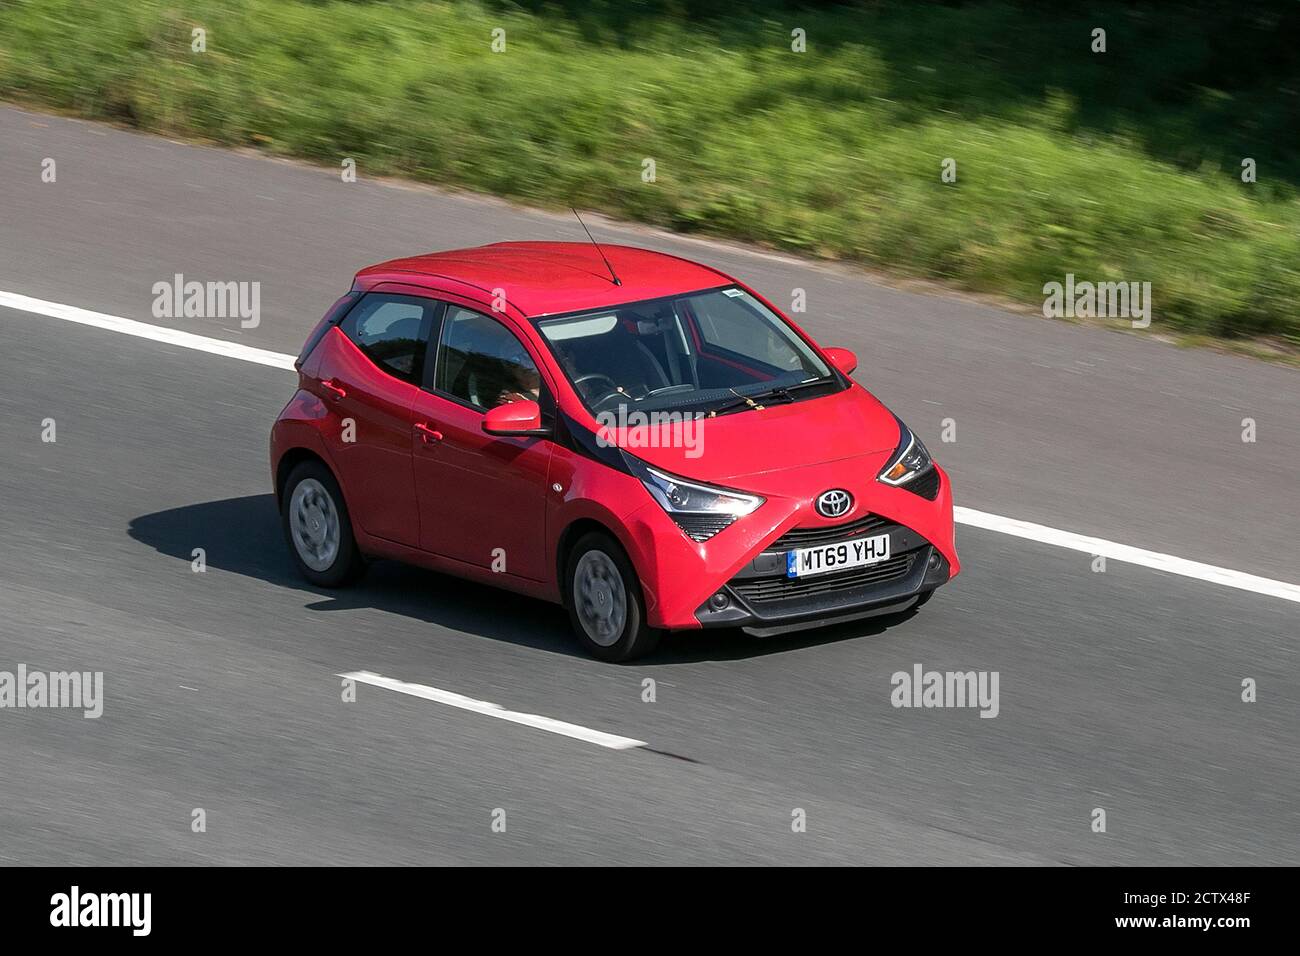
(1117, 166)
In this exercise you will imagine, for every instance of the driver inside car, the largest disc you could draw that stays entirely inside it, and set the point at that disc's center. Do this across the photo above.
(523, 383)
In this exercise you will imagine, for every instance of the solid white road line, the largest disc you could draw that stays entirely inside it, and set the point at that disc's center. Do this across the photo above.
(598, 737)
(966, 516)
(1127, 554)
(142, 330)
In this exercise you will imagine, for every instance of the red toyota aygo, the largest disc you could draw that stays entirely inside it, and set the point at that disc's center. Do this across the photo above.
(640, 438)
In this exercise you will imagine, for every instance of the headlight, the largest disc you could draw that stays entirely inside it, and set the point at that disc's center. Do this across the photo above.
(679, 496)
(908, 460)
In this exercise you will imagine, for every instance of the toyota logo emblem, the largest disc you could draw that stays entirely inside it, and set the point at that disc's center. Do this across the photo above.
(834, 503)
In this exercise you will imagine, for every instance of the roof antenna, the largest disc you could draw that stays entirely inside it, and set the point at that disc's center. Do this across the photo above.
(612, 274)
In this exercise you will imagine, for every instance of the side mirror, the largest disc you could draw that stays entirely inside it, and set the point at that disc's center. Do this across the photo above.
(514, 418)
(844, 359)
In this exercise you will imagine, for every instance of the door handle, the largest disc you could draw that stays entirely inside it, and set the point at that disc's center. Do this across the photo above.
(338, 390)
(428, 434)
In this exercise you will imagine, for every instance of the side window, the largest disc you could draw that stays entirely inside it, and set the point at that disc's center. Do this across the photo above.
(481, 362)
(393, 332)
(338, 308)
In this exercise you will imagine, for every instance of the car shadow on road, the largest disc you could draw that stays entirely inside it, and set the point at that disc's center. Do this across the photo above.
(242, 535)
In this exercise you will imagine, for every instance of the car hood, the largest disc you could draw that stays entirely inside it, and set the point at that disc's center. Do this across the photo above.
(777, 438)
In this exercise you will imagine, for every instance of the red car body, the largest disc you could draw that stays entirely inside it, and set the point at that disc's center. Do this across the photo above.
(425, 483)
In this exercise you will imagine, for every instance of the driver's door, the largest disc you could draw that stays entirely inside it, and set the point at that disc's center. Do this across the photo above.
(482, 497)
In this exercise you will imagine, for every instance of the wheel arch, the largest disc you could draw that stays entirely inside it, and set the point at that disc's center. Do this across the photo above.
(571, 535)
(290, 460)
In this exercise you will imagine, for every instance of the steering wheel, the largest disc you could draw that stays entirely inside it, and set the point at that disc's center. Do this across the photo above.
(594, 376)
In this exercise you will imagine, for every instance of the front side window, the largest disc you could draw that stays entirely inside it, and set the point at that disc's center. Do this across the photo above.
(393, 332)
(698, 352)
(481, 362)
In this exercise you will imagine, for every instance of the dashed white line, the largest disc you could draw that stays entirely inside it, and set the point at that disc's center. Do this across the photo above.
(967, 516)
(156, 333)
(597, 737)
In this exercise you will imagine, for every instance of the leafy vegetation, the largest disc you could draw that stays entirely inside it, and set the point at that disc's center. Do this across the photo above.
(1116, 166)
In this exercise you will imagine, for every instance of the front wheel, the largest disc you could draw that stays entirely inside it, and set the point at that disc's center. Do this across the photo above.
(605, 602)
(317, 527)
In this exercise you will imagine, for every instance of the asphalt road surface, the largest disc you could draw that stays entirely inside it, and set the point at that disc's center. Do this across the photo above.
(1119, 690)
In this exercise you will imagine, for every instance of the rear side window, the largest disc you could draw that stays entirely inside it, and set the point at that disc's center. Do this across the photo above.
(332, 317)
(393, 332)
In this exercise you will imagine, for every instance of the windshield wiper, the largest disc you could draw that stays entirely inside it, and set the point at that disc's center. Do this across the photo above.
(755, 401)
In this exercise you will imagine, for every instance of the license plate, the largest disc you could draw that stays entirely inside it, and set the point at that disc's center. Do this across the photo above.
(801, 562)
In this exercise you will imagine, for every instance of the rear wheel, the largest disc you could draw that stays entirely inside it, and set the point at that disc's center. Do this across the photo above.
(605, 602)
(317, 526)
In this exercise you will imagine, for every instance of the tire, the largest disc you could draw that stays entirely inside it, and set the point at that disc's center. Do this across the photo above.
(606, 607)
(318, 528)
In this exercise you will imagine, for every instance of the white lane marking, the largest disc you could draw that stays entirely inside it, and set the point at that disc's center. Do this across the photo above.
(966, 516)
(1127, 554)
(143, 330)
(598, 737)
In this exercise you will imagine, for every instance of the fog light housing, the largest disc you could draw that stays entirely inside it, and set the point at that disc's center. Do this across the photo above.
(719, 601)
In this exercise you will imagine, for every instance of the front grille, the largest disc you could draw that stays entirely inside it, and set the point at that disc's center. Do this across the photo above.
(702, 527)
(927, 485)
(762, 590)
(806, 537)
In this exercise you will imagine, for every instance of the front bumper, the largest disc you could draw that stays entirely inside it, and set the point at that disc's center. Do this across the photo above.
(680, 576)
(760, 596)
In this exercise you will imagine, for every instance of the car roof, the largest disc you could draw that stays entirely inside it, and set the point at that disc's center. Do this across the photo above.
(545, 278)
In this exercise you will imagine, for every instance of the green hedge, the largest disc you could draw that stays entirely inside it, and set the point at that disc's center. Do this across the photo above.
(1122, 166)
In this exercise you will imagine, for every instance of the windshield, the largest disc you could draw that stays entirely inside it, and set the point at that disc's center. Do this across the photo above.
(699, 352)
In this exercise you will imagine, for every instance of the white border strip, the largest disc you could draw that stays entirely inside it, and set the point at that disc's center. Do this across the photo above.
(598, 737)
(967, 516)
